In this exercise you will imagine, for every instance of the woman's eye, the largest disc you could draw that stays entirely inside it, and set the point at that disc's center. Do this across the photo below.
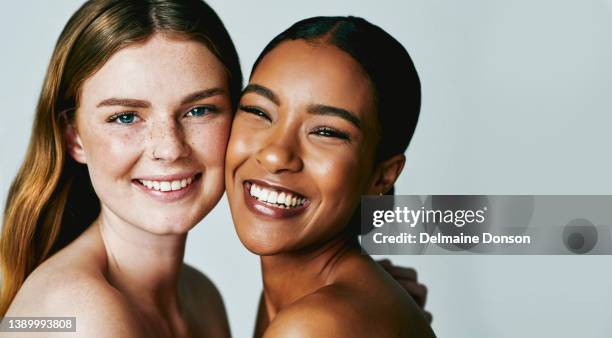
(200, 111)
(330, 132)
(124, 118)
(255, 111)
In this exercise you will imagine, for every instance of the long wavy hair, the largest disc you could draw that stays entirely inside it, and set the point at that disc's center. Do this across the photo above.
(51, 201)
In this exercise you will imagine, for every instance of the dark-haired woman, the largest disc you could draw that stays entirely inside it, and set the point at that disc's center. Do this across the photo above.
(329, 110)
(126, 156)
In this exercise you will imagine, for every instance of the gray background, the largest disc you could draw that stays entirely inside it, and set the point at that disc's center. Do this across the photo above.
(517, 98)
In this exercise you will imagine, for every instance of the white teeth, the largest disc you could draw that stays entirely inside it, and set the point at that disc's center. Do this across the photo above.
(176, 185)
(272, 197)
(281, 198)
(167, 185)
(286, 200)
(263, 194)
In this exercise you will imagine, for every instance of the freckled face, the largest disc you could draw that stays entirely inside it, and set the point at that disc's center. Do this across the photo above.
(306, 128)
(152, 126)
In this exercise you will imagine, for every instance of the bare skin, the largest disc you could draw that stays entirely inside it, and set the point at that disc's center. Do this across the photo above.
(140, 128)
(406, 277)
(323, 297)
(80, 278)
(306, 128)
(125, 276)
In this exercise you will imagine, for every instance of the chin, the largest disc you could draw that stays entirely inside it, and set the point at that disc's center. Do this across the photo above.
(260, 243)
(169, 225)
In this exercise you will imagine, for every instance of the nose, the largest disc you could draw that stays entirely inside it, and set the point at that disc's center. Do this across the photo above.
(167, 141)
(281, 153)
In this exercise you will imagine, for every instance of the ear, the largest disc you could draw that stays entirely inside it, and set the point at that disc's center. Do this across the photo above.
(386, 173)
(73, 144)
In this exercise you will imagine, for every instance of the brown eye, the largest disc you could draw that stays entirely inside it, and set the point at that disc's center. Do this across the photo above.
(256, 111)
(330, 132)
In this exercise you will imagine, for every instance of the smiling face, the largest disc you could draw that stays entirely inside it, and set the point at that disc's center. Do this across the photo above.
(152, 126)
(302, 148)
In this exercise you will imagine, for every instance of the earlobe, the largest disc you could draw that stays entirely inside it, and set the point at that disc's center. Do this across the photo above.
(386, 174)
(73, 144)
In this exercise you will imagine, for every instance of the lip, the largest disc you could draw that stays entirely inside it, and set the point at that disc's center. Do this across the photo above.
(169, 196)
(171, 177)
(262, 209)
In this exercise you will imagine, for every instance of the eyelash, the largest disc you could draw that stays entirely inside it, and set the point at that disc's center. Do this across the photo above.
(256, 111)
(331, 132)
(116, 117)
(320, 131)
(209, 109)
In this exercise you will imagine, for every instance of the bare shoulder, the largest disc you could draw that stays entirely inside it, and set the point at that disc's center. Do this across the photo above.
(343, 310)
(203, 303)
(72, 283)
(329, 312)
(54, 290)
(197, 281)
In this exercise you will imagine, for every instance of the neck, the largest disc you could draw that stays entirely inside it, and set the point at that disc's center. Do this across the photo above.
(288, 277)
(143, 265)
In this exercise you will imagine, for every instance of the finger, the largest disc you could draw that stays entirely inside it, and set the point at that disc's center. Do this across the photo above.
(385, 263)
(428, 316)
(399, 272)
(417, 291)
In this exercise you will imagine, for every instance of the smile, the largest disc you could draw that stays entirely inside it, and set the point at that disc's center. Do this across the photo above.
(165, 186)
(276, 198)
(169, 188)
(273, 201)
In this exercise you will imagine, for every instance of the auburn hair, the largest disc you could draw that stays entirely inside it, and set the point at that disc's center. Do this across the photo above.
(51, 200)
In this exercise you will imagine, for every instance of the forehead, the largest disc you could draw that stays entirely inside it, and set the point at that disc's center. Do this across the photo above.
(160, 69)
(317, 73)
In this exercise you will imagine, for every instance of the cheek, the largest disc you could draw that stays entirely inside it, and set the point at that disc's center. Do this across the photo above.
(209, 142)
(241, 144)
(337, 174)
(121, 148)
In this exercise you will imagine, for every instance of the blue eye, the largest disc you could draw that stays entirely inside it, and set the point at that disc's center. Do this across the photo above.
(123, 118)
(127, 118)
(200, 111)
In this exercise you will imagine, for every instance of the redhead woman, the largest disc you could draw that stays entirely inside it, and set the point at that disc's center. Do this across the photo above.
(126, 156)
(329, 110)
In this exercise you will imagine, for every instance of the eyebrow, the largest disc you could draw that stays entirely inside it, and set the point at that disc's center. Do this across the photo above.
(320, 109)
(317, 109)
(263, 91)
(136, 103)
(202, 94)
(132, 103)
